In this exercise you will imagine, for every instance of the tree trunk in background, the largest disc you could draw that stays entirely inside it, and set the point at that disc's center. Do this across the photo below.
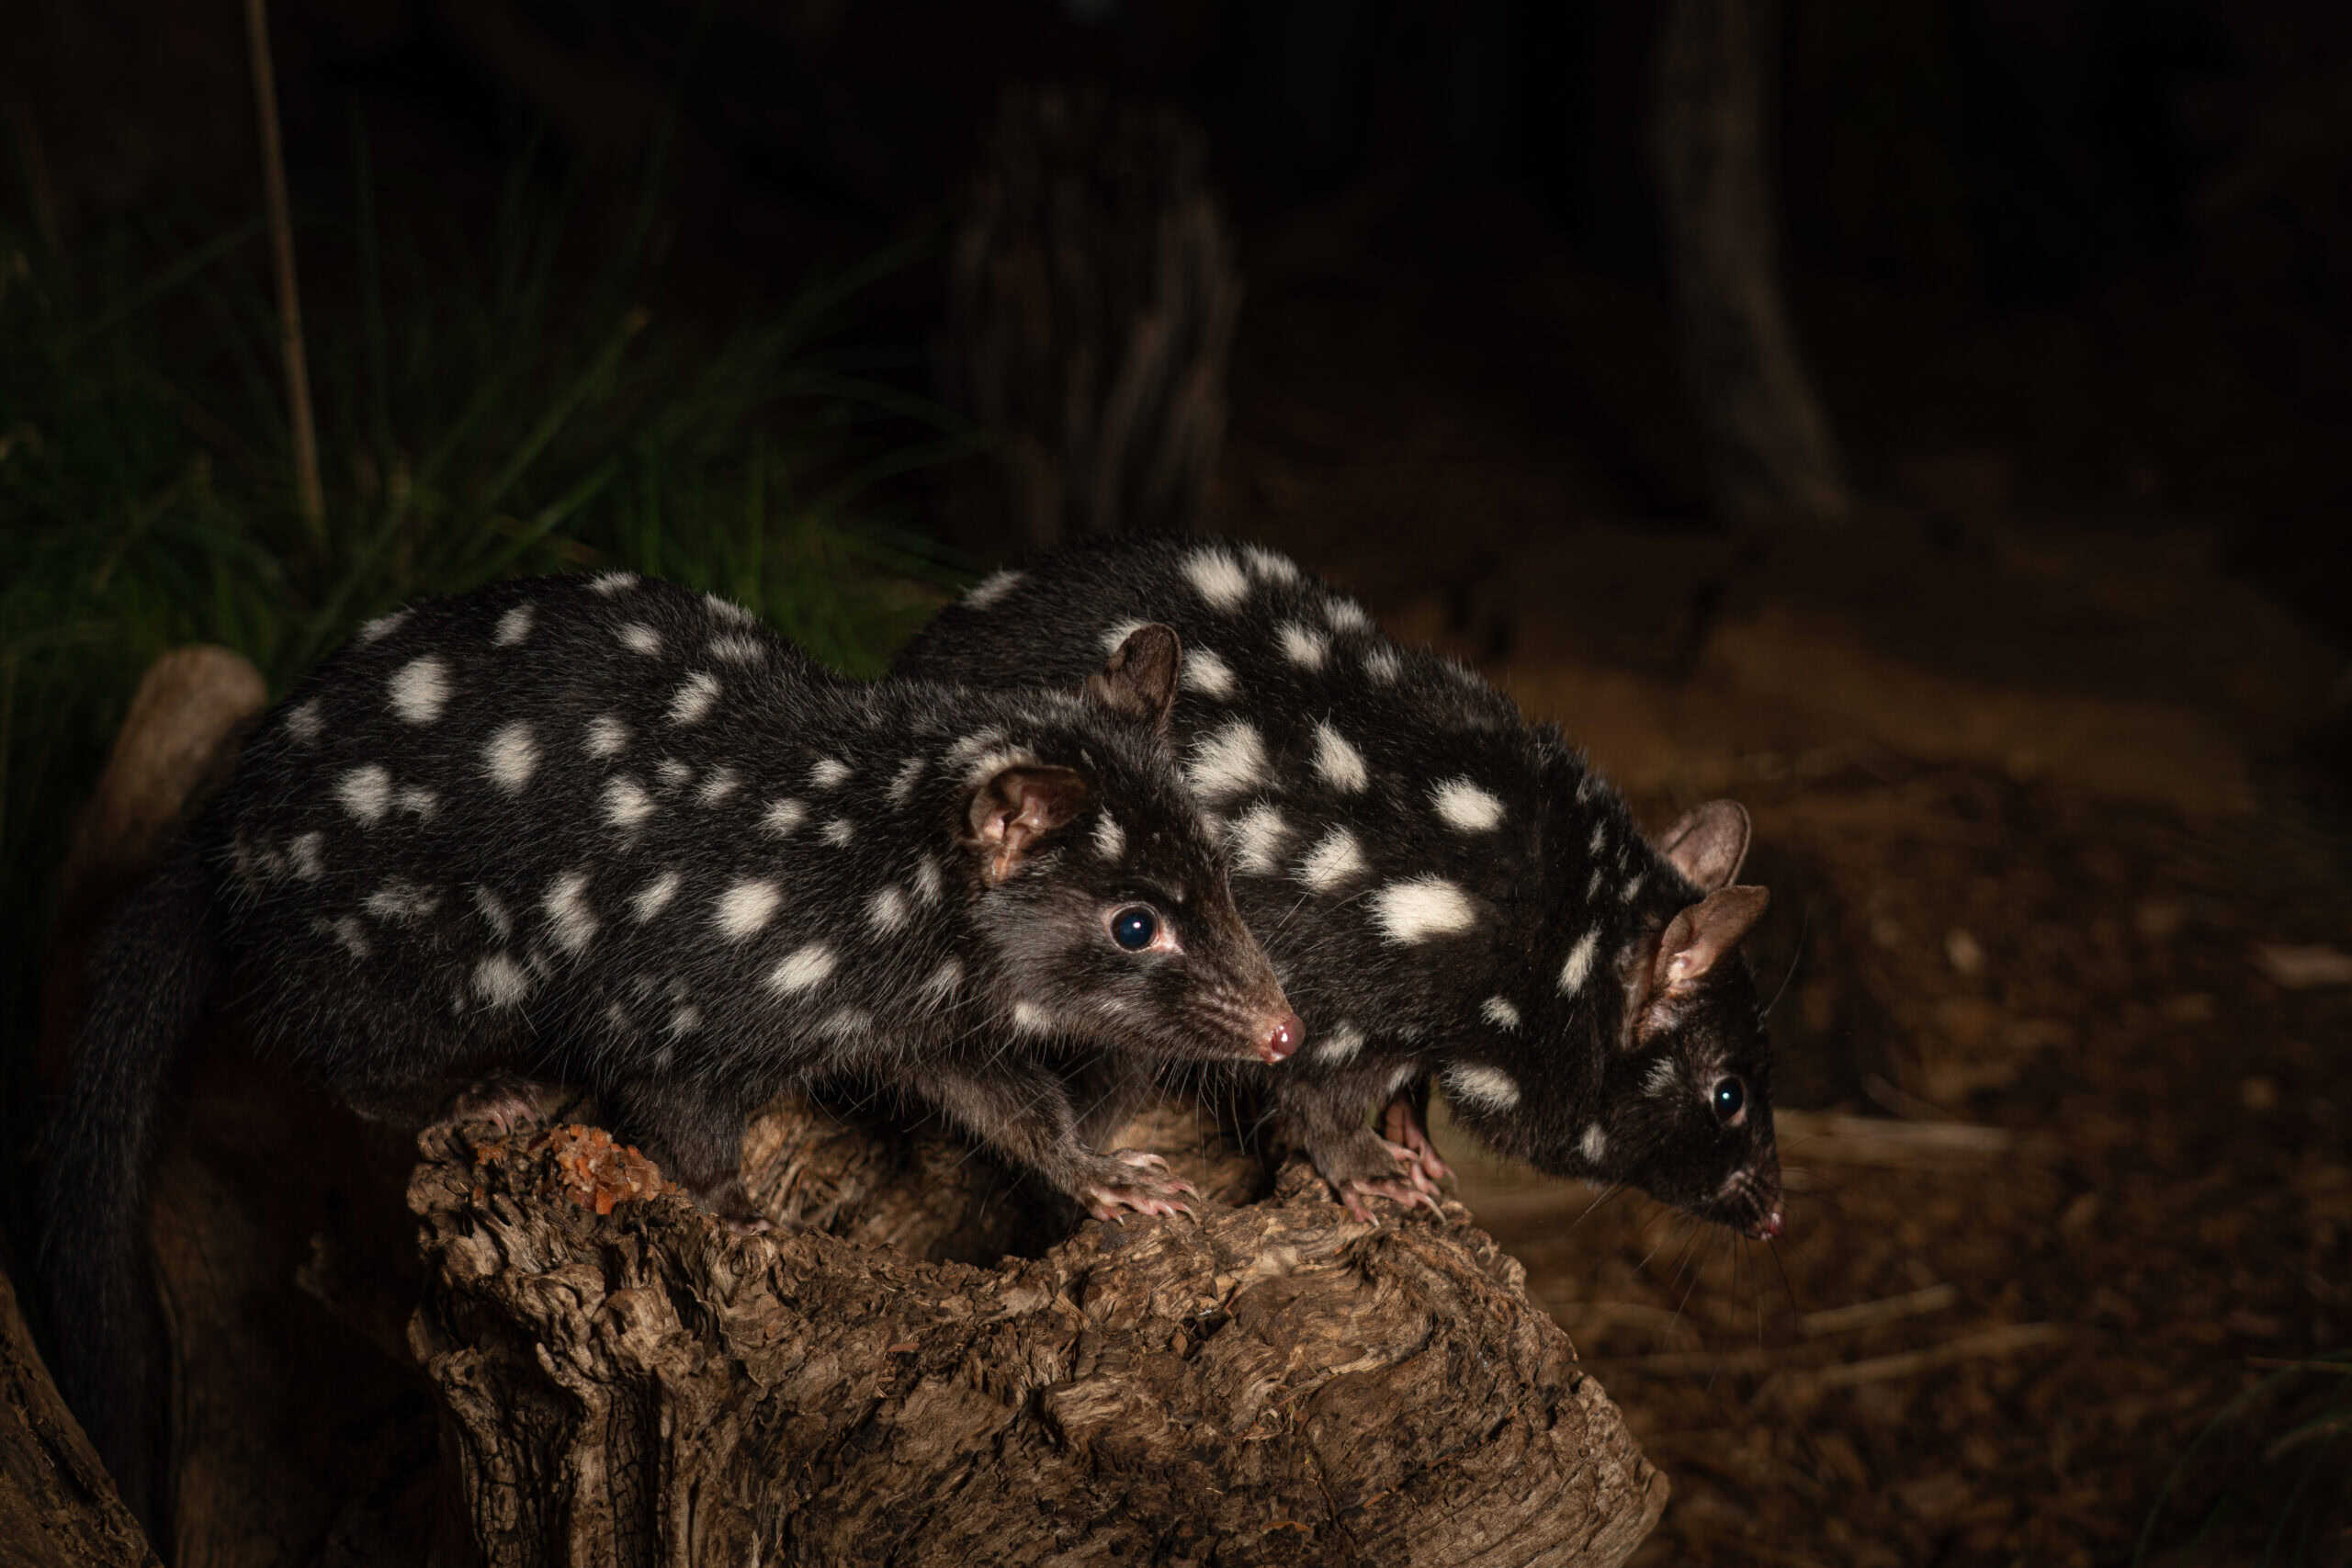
(1091, 297)
(1771, 455)
(57, 1507)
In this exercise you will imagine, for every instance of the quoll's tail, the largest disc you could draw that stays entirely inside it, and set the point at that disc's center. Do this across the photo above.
(152, 976)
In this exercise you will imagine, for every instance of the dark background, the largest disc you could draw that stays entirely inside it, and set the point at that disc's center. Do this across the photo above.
(2046, 741)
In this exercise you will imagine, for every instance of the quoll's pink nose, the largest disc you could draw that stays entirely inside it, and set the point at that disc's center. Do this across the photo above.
(1287, 1035)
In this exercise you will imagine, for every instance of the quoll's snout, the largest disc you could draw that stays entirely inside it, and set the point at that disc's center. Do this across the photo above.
(1287, 1035)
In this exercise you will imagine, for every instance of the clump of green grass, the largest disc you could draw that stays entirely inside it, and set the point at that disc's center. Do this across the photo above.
(483, 411)
(2269, 1480)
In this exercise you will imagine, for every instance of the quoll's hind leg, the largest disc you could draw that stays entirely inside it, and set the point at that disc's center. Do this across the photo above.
(1405, 1124)
(697, 1137)
(1028, 1120)
(1331, 1120)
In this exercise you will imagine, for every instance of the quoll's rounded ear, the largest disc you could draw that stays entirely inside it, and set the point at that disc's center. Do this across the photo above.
(1708, 844)
(1013, 809)
(1139, 682)
(1696, 939)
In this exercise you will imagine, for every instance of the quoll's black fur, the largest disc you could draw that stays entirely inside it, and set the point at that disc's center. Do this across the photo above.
(616, 833)
(1444, 887)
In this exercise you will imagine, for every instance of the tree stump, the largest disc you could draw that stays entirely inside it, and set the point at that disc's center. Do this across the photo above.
(626, 1379)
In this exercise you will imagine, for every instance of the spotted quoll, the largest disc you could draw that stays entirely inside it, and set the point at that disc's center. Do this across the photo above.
(610, 831)
(1446, 889)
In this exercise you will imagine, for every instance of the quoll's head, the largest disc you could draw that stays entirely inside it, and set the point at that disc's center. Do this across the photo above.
(1675, 1095)
(1101, 890)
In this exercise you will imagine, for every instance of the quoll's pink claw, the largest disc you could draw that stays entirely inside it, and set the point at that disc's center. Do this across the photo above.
(1287, 1035)
(1151, 1190)
(1352, 1198)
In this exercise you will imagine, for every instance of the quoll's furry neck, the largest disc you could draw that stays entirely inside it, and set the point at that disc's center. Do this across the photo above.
(1443, 885)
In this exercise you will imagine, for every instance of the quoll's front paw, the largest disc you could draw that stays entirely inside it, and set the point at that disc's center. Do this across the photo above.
(1356, 1194)
(507, 1103)
(1409, 1141)
(1135, 1181)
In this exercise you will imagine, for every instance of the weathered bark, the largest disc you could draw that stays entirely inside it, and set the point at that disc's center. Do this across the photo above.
(1273, 1384)
(57, 1507)
(1090, 307)
(1771, 455)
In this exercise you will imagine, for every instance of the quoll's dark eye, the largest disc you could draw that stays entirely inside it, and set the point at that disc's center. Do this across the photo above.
(1731, 1096)
(1133, 927)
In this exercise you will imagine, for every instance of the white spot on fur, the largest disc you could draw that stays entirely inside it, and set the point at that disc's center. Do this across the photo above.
(1383, 666)
(352, 935)
(673, 774)
(1592, 884)
(1332, 861)
(802, 968)
(1340, 764)
(1595, 1143)
(500, 981)
(1346, 614)
(782, 817)
(1578, 967)
(611, 582)
(845, 1024)
(1465, 806)
(626, 802)
(984, 594)
(1340, 1043)
(401, 901)
(421, 688)
(1498, 1011)
(1228, 761)
(1115, 637)
(927, 881)
(722, 783)
(943, 980)
(365, 791)
(513, 625)
(616, 1018)
(745, 908)
(839, 831)
(511, 757)
(654, 896)
(1600, 838)
(566, 907)
(1030, 1018)
(1662, 1078)
(493, 911)
(306, 850)
(417, 800)
(607, 736)
(302, 721)
(1110, 838)
(736, 649)
(828, 773)
(1218, 578)
(382, 627)
(639, 638)
(726, 609)
(1255, 838)
(684, 1020)
(1268, 565)
(691, 703)
(1488, 1087)
(902, 783)
(1303, 646)
(1204, 672)
(1632, 890)
(1421, 908)
(887, 910)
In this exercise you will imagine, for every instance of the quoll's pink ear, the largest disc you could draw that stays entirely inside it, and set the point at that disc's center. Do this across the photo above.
(1708, 844)
(1014, 808)
(1697, 939)
(1139, 682)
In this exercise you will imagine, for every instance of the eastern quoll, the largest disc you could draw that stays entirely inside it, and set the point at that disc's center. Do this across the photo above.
(1444, 887)
(613, 832)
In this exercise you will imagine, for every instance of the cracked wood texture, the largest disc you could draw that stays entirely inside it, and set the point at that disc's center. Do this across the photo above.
(1269, 1384)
